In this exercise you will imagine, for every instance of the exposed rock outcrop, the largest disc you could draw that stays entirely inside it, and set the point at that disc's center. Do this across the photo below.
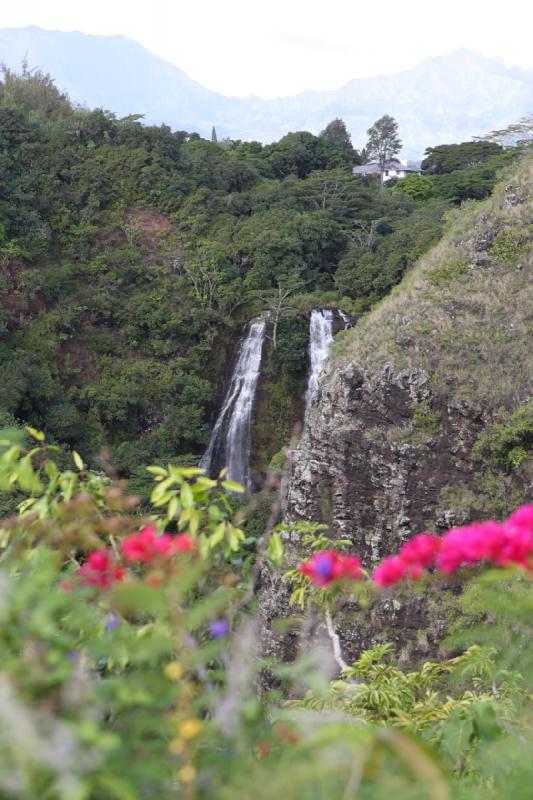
(389, 448)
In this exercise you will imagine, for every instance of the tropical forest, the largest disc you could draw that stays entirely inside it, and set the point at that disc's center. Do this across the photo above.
(266, 459)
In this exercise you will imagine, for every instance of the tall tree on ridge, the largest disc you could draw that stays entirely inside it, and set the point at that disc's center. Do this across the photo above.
(336, 132)
(383, 141)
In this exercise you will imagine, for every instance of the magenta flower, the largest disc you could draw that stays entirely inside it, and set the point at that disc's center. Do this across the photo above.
(390, 571)
(327, 566)
(421, 550)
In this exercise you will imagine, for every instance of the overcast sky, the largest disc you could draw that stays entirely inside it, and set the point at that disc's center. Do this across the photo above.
(281, 47)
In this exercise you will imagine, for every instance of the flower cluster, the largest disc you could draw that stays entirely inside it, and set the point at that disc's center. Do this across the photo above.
(327, 566)
(416, 555)
(146, 545)
(101, 570)
(501, 544)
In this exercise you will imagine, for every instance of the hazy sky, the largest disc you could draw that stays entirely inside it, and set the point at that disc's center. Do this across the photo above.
(280, 47)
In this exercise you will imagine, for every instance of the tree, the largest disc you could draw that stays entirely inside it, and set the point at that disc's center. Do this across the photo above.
(32, 91)
(337, 133)
(418, 187)
(214, 134)
(452, 157)
(276, 302)
(517, 134)
(383, 141)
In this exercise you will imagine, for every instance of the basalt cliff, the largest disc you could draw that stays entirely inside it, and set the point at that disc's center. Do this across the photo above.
(424, 419)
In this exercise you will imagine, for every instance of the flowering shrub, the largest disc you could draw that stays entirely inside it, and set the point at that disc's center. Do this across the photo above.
(147, 546)
(508, 543)
(129, 662)
(328, 566)
(100, 570)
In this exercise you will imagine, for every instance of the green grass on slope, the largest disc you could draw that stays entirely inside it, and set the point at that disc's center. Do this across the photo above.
(465, 311)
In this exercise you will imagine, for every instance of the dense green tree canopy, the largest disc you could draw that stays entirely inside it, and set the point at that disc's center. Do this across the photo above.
(131, 256)
(451, 157)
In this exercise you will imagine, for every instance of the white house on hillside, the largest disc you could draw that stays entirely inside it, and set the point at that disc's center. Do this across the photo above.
(393, 169)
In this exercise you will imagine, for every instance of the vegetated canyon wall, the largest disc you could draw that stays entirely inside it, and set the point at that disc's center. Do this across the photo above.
(424, 419)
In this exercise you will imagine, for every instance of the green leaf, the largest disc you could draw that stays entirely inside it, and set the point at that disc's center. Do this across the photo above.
(157, 471)
(36, 434)
(77, 460)
(233, 486)
(173, 508)
(275, 549)
(186, 496)
(218, 535)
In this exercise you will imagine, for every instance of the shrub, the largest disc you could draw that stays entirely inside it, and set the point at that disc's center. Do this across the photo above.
(128, 654)
(509, 441)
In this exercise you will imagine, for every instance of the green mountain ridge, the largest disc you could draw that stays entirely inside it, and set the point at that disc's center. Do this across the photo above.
(442, 100)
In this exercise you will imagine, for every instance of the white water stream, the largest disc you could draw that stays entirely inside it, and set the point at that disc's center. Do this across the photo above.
(321, 328)
(230, 441)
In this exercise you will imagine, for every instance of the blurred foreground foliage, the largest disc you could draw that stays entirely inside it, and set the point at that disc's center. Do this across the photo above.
(148, 685)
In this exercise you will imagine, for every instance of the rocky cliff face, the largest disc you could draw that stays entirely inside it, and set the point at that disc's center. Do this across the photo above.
(392, 444)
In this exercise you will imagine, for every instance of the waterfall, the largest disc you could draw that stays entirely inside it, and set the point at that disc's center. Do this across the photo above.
(320, 339)
(230, 442)
(324, 322)
(346, 319)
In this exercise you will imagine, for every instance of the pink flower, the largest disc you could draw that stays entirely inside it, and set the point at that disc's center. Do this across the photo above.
(481, 541)
(147, 545)
(182, 543)
(522, 518)
(327, 566)
(320, 568)
(415, 571)
(349, 567)
(421, 550)
(390, 571)
(518, 547)
(100, 570)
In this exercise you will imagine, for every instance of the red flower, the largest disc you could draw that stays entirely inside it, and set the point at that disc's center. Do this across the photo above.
(522, 518)
(147, 545)
(100, 569)
(182, 543)
(327, 566)
(390, 571)
(349, 567)
(482, 541)
(421, 550)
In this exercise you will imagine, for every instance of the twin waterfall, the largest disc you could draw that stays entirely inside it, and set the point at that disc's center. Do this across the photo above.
(230, 442)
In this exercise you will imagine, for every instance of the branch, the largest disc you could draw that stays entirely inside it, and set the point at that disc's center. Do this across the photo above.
(333, 635)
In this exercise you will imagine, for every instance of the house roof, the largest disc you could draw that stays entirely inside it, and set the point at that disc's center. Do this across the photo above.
(373, 167)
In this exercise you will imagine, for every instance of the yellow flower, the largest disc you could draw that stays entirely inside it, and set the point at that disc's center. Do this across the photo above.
(190, 728)
(176, 747)
(187, 773)
(173, 671)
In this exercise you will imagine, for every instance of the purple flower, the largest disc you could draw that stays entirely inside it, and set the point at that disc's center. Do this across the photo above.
(219, 628)
(73, 656)
(112, 622)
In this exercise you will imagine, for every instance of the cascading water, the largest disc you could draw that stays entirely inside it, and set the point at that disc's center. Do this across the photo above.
(320, 339)
(348, 323)
(321, 330)
(230, 441)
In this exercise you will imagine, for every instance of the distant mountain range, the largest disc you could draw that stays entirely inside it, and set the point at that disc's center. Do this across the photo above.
(444, 99)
